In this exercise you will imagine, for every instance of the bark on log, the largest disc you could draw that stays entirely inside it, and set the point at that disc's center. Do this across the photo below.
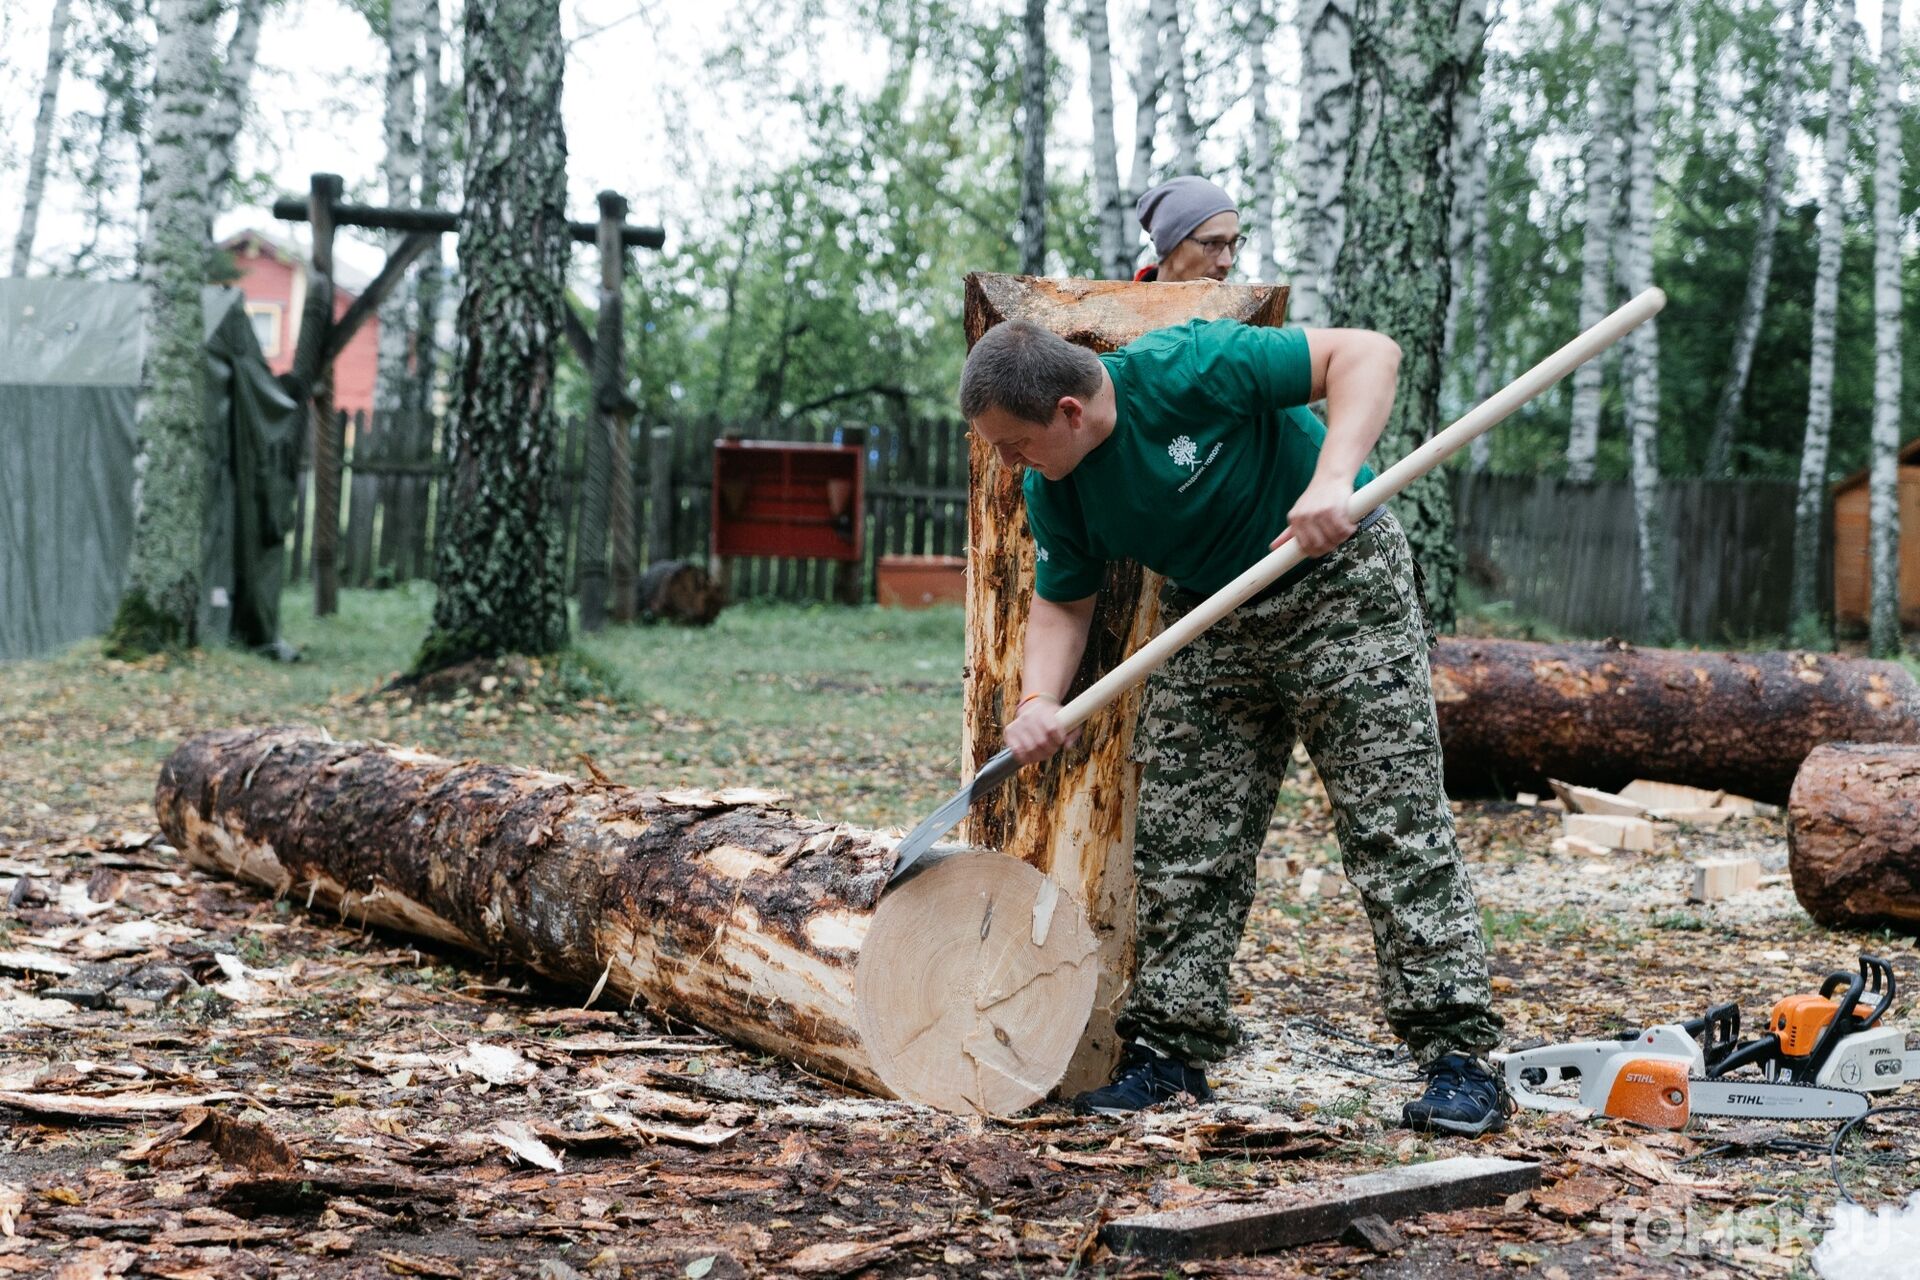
(1853, 835)
(1513, 713)
(680, 591)
(1073, 818)
(965, 987)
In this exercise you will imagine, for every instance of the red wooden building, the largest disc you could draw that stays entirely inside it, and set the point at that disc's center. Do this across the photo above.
(1852, 544)
(272, 274)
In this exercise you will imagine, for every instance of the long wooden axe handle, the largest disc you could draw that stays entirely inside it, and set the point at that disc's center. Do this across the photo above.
(1382, 487)
(1388, 483)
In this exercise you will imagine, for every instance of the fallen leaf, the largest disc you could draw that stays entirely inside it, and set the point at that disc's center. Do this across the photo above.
(516, 1137)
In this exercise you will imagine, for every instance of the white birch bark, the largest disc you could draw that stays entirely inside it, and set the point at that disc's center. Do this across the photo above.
(1480, 453)
(436, 100)
(1186, 139)
(159, 605)
(1810, 503)
(1643, 344)
(42, 137)
(1753, 307)
(1883, 483)
(1116, 260)
(1148, 78)
(1596, 267)
(229, 111)
(1467, 161)
(1263, 264)
(1326, 128)
(1033, 131)
(400, 169)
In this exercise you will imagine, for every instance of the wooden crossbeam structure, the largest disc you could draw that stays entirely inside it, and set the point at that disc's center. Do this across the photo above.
(606, 504)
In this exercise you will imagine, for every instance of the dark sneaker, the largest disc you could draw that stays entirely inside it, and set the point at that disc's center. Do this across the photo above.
(1464, 1095)
(1143, 1079)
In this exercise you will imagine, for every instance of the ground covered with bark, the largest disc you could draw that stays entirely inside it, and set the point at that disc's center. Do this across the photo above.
(196, 1081)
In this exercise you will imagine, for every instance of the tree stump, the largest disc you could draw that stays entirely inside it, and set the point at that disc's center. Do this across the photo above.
(965, 987)
(1853, 835)
(1072, 818)
(1513, 714)
(680, 591)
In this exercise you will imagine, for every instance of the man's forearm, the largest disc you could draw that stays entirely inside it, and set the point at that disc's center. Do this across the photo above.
(1056, 637)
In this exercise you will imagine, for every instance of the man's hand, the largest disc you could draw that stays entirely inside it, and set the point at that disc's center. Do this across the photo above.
(1035, 733)
(1319, 521)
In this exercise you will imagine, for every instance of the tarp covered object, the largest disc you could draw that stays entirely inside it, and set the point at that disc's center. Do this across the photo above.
(70, 357)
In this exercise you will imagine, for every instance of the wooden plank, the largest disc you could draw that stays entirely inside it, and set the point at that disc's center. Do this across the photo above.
(1324, 1211)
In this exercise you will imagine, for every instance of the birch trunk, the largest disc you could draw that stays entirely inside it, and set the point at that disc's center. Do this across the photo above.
(1391, 272)
(1810, 504)
(1643, 344)
(42, 136)
(159, 605)
(1265, 265)
(1149, 76)
(1753, 306)
(1466, 161)
(1326, 127)
(721, 909)
(1116, 261)
(1884, 483)
(1480, 453)
(1186, 139)
(401, 168)
(1033, 129)
(1073, 817)
(1596, 267)
(418, 419)
(501, 587)
(229, 111)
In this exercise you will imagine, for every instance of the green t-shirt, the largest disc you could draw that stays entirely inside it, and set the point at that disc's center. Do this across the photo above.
(1211, 447)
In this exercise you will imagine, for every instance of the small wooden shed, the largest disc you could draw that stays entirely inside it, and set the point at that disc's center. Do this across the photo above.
(1852, 533)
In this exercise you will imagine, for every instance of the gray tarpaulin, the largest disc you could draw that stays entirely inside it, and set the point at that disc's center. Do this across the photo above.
(70, 354)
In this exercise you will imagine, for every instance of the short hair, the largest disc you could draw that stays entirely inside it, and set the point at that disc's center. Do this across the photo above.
(1023, 369)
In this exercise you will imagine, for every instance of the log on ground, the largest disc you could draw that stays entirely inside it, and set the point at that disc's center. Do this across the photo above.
(1853, 836)
(1514, 713)
(965, 987)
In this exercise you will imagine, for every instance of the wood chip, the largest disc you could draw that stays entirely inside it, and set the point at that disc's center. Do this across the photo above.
(119, 1106)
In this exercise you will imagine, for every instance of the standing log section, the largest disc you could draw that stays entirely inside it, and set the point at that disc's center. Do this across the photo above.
(1073, 817)
(1513, 714)
(1853, 836)
(964, 988)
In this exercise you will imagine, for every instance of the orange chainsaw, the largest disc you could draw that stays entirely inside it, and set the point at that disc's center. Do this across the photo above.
(1818, 1059)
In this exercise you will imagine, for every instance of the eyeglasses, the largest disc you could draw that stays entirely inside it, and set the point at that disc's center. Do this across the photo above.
(1231, 244)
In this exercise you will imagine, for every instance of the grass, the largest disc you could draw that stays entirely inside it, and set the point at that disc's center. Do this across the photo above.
(855, 712)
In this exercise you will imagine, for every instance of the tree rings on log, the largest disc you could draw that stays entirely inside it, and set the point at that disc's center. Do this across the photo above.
(961, 982)
(964, 987)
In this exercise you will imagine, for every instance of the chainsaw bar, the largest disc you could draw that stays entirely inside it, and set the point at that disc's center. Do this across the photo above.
(1769, 1100)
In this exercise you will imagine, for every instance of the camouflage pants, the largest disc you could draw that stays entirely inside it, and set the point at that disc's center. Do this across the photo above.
(1338, 660)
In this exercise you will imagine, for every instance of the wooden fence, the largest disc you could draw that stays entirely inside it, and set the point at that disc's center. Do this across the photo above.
(916, 502)
(1567, 554)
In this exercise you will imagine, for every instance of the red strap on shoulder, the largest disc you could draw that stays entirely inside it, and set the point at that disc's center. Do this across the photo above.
(1149, 272)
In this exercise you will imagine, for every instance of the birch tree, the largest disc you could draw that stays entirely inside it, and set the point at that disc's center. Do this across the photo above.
(42, 136)
(1326, 125)
(400, 169)
(159, 605)
(1391, 270)
(498, 570)
(1753, 305)
(1596, 261)
(1467, 161)
(1033, 129)
(230, 105)
(1810, 502)
(1884, 482)
(1480, 452)
(435, 104)
(1259, 31)
(1148, 77)
(1186, 138)
(1642, 363)
(1116, 261)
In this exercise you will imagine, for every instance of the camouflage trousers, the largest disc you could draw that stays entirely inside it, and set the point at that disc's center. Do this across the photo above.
(1337, 660)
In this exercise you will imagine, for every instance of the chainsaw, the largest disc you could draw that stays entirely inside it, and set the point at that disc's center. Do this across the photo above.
(1817, 1060)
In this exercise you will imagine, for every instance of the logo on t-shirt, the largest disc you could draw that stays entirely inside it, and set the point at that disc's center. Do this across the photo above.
(1040, 554)
(1186, 453)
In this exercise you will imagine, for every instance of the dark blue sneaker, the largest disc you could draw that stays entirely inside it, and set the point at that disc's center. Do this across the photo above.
(1144, 1078)
(1464, 1096)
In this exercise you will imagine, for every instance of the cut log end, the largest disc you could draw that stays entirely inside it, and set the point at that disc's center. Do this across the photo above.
(1853, 835)
(974, 984)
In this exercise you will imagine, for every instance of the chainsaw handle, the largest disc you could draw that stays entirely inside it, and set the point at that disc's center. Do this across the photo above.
(1875, 977)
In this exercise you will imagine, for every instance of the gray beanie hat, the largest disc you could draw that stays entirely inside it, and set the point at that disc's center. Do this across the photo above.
(1173, 209)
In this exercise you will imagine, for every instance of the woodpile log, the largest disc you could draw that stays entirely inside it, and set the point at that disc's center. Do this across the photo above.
(1514, 713)
(965, 987)
(679, 591)
(1853, 835)
(1072, 818)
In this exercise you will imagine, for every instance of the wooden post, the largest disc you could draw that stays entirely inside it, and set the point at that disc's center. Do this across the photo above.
(610, 397)
(315, 326)
(1073, 818)
(660, 494)
(851, 575)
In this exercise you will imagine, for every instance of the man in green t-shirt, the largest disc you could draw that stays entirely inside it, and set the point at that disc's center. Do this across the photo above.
(1192, 452)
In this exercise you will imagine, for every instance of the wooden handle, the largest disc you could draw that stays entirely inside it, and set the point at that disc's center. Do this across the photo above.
(1383, 486)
